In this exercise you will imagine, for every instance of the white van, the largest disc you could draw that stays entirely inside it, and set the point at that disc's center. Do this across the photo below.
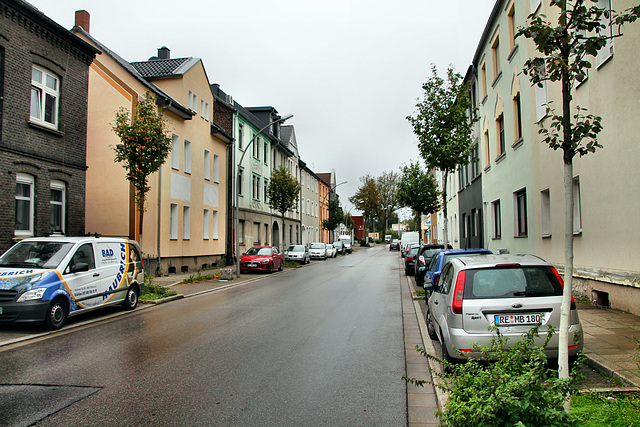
(408, 237)
(47, 279)
(346, 241)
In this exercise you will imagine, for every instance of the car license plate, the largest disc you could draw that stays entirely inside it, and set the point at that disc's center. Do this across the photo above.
(252, 264)
(517, 319)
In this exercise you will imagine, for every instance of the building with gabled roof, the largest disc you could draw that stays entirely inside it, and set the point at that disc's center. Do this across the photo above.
(185, 223)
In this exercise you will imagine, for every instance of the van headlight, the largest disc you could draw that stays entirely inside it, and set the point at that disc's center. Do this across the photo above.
(31, 295)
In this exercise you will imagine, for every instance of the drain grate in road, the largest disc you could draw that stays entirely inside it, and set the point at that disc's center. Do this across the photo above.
(43, 400)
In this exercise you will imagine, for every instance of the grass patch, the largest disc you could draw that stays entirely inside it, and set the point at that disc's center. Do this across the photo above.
(154, 292)
(291, 264)
(420, 292)
(607, 409)
(197, 278)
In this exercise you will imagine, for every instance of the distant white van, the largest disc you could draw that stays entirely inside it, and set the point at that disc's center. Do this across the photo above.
(408, 237)
(47, 279)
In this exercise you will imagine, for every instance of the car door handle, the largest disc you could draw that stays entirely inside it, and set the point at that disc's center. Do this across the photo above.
(435, 302)
(96, 274)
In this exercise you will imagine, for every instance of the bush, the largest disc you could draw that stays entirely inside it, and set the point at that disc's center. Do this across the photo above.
(154, 291)
(517, 388)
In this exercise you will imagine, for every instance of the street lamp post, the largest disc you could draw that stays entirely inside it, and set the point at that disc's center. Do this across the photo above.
(322, 206)
(237, 176)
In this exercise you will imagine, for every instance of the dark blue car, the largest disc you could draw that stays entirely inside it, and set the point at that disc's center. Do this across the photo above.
(440, 259)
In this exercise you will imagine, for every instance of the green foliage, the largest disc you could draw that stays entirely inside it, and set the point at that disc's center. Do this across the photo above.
(152, 292)
(283, 190)
(516, 389)
(606, 409)
(442, 122)
(367, 198)
(144, 144)
(418, 190)
(336, 215)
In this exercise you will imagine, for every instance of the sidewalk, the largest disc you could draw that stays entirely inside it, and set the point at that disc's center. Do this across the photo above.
(609, 344)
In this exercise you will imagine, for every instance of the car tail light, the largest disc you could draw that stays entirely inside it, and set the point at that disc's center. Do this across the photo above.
(561, 280)
(514, 265)
(410, 258)
(458, 293)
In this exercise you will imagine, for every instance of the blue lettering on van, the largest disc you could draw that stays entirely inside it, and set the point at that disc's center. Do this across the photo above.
(116, 282)
(107, 253)
(15, 273)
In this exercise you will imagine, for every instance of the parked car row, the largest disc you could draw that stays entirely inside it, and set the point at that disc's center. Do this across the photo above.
(471, 291)
(269, 258)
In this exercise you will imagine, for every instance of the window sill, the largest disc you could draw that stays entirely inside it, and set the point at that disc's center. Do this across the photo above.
(484, 99)
(500, 158)
(545, 236)
(517, 144)
(524, 236)
(513, 53)
(52, 131)
(577, 232)
(497, 238)
(496, 80)
(487, 168)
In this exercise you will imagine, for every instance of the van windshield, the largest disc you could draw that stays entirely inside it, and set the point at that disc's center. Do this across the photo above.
(35, 254)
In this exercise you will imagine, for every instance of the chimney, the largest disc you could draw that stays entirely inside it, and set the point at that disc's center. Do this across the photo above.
(164, 53)
(83, 19)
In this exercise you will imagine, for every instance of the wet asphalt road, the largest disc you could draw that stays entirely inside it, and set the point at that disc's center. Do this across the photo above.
(319, 345)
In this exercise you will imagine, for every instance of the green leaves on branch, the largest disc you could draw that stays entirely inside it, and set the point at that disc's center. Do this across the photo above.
(336, 215)
(283, 190)
(144, 144)
(418, 190)
(442, 122)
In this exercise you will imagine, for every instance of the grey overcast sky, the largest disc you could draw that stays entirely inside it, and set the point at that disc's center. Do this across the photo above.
(349, 70)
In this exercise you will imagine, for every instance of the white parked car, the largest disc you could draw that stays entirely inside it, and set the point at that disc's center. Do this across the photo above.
(318, 251)
(298, 253)
(331, 250)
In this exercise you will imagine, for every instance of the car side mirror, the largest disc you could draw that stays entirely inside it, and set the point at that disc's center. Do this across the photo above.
(81, 266)
(428, 286)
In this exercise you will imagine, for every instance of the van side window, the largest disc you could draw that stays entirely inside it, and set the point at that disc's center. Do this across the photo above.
(84, 254)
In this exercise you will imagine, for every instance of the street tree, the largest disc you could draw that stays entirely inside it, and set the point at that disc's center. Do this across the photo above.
(336, 215)
(145, 143)
(388, 191)
(367, 197)
(418, 190)
(282, 192)
(443, 123)
(567, 45)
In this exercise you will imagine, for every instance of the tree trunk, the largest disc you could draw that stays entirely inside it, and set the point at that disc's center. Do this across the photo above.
(140, 225)
(565, 310)
(445, 222)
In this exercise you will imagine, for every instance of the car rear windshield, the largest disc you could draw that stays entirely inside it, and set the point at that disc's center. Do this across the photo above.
(296, 248)
(413, 250)
(428, 253)
(318, 246)
(509, 282)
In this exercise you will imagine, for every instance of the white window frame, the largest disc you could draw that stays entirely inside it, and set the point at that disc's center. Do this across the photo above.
(24, 179)
(606, 51)
(577, 207)
(541, 98)
(40, 90)
(173, 222)
(216, 168)
(496, 219)
(187, 156)
(545, 205)
(205, 224)
(214, 230)
(186, 223)
(207, 165)
(521, 220)
(62, 205)
(175, 152)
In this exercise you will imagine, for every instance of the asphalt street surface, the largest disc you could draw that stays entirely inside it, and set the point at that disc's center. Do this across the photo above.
(318, 345)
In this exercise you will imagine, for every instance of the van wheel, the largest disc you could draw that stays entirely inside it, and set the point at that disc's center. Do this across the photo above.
(430, 328)
(131, 300)
(56, 314)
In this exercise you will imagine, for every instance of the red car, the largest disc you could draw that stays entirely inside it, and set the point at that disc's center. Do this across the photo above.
(262, 258)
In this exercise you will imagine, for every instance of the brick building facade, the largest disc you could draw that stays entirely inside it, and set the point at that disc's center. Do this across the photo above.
(43, 122)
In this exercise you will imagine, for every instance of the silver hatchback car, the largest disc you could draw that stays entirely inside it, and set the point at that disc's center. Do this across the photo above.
(511, 292)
